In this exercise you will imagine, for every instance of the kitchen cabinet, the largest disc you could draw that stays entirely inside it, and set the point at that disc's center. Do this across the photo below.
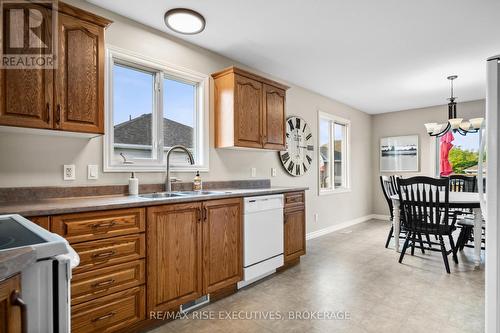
(222, 244)
(42, 221)
(249, 111)
(12, 310)
(193, 249)
(69, 97)
(174, 267)
(294, 226)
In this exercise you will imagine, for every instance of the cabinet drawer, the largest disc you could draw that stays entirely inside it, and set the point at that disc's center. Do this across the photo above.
(100, 282)
(106, 252)
(82, 227)
(109, 313)
(294, 199)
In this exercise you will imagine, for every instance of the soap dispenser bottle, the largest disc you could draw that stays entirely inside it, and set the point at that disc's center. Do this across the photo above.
(197, 184)
(133, 185)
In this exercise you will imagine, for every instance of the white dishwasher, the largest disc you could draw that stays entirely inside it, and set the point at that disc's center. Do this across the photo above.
(262, 237)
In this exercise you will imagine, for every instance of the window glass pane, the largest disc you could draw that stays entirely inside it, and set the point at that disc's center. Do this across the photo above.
(324, 152)
(339, 156)
(462, 155)
(132, 112)
(179, 118)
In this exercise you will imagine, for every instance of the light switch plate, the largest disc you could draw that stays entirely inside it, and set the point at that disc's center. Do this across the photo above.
(92, 171)
(273, 172)
(254, 172)
(69, 172)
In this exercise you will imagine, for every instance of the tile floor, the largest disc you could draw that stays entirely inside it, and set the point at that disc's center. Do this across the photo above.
(351, 271)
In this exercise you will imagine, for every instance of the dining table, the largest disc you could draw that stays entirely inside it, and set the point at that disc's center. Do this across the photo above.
(458, 201)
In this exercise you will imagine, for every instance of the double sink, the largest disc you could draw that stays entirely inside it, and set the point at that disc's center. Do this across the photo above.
(163, 195)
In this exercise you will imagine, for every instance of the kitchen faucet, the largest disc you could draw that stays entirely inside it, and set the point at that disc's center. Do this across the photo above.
(168, 185)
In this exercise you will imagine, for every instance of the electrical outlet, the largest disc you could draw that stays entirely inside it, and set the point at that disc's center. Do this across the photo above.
(92, 171)
(273, 172)
(254, 172)
(316, 217)
(69, 172)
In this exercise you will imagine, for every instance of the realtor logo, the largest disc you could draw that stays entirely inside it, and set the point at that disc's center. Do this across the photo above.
(29, 34)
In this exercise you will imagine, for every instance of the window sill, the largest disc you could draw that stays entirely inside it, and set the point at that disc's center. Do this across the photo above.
(335, 191)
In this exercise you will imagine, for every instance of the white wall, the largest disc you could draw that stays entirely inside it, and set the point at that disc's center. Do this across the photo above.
(412, 122)
(31, 160)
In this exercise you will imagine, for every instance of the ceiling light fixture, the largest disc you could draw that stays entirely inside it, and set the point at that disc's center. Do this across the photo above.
(184, 21)
(455, 124)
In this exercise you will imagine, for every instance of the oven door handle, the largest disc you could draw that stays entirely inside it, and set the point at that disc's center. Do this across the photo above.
(15, 299)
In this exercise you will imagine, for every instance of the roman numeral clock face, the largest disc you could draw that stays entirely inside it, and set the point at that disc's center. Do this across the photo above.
(298, 156)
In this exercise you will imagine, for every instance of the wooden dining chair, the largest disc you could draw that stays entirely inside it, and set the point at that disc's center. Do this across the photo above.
(389, 189)
(462, 183)
(425, 211)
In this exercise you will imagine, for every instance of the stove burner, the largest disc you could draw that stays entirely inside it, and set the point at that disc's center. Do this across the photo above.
(5, 241)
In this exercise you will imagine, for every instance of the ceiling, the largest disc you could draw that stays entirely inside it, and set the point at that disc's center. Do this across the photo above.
(377, 56)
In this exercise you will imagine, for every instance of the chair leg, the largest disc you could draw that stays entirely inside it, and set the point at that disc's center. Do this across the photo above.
(421, 243)
(405, 246)
(428, 240)
(390, 236)
(458, 246)
(413, 244)
(453, 248)
(445, 255)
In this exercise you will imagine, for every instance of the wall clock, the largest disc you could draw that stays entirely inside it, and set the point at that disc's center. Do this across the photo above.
(298, 156)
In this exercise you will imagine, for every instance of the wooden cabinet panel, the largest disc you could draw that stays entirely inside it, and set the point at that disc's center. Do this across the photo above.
(80, 76)
(100, 282)
(294, 233)
(248, 112)
(97, 225)
(109, 313)
(222, 244)
(42, 221)
(174, 264)
(273, 119)
(106, 252)
(10, 313)
(294, 199)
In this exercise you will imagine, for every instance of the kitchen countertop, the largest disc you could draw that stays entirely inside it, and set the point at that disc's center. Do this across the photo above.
(15, 260)
(84, 204)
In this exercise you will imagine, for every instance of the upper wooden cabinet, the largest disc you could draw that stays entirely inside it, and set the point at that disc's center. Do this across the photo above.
(249, 110)
(69, 97)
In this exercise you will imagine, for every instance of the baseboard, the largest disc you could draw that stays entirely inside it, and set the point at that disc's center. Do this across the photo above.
(381, 217)
(327, 230)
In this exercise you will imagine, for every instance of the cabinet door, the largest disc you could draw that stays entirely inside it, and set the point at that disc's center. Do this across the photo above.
(273, 120)
(26, 94)
(10, 312)
(42, 221)
(80, 76)
(222, 244)
(294, 233)
(247, 112)
(174, 255)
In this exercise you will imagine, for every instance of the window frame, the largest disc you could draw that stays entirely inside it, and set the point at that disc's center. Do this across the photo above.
(346, 151)
(161, 71)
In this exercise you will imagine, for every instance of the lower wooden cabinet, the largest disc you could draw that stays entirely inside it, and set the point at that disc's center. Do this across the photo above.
(11, 319)
(174, 255)
(294, 226)
(193, 249)
(109, 313)
(222, 244)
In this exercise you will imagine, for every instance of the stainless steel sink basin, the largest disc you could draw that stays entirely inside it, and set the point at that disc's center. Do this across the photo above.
(163, 195)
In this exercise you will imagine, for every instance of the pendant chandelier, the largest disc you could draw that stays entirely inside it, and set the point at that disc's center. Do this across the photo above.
(457, 125)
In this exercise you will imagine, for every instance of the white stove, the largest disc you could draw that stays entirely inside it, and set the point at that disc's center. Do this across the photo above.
(45, 285)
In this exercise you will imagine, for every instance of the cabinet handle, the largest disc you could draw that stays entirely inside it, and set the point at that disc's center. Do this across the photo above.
(205, 215)
(103, 225)
(103, 254)
(58, 114)
(16, 300)
(103, 283)
(106, 316)
(48, 113)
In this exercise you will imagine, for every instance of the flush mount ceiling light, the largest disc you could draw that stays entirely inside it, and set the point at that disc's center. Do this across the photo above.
(457, 125)
(184, 21)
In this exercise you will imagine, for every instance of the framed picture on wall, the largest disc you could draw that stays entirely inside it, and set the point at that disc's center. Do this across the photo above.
(399, 154)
